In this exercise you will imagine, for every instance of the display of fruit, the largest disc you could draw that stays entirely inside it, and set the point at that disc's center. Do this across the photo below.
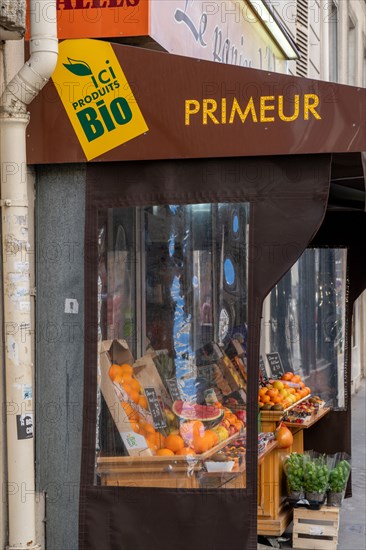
(279, 395)
(202, 443)
(192, 411)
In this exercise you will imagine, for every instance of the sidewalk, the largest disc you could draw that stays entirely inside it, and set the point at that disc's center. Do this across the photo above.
(352, 528)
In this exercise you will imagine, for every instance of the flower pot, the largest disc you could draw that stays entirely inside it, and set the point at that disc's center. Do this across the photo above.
(315, 498)
(335, 499)
(295, 495)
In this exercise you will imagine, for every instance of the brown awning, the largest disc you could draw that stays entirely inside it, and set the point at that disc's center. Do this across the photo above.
(202, 109)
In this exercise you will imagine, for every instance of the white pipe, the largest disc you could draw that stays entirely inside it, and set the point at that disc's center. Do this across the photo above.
(14, 118)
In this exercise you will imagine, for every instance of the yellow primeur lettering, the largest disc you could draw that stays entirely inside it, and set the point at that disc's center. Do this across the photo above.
(310, 107)
(264, 108)
(243, 115)
(209, 107)
(191, 111)
(296, 109)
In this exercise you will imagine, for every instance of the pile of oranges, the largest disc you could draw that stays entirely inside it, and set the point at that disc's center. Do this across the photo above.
(281, 394)
(123, 375)
(157, 443)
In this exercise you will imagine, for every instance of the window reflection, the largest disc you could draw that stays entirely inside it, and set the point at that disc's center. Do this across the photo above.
(304, 321)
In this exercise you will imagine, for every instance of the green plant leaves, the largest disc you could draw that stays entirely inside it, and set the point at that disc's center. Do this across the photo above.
(78, 67)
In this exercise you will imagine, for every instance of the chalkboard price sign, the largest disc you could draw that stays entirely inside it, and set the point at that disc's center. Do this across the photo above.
(275, 364)
(173, 388)
(155, 409)
(262, 369)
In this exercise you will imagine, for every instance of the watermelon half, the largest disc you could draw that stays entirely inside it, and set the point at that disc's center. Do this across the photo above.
(190, 411)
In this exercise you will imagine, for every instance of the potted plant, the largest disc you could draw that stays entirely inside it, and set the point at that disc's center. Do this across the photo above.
(316, 475)
(338, 478)
(294, 469)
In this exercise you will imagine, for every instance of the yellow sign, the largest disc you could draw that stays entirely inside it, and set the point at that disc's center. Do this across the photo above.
(96, 95)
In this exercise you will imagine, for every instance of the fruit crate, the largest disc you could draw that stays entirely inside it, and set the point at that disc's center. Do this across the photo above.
(316, 529)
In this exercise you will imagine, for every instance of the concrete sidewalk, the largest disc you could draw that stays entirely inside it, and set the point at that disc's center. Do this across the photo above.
(352, 529)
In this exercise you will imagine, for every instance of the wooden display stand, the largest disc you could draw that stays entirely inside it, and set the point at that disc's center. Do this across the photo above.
(174, 472)
(274, 514)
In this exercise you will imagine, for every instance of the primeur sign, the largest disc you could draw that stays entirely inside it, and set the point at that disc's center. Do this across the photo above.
(97, 97)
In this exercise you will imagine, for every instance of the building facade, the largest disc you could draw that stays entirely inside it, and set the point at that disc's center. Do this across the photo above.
(331, 38)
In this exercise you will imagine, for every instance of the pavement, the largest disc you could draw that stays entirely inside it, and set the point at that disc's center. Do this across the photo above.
(352, 526)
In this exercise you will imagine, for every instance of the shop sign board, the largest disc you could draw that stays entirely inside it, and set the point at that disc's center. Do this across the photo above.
(275, 364)
(97, 97)
(97, 18)
(162, 106)
(226, 32)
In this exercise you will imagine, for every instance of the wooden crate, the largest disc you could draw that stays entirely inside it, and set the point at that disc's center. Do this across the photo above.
(316, 529)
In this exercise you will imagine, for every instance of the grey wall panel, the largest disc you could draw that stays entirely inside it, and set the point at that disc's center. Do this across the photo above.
(60, 209)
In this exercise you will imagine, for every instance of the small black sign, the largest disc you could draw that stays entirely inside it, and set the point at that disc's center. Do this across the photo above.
(155, 409)
(275, 364)
(173, 388)
(24, 426)
(262, 369)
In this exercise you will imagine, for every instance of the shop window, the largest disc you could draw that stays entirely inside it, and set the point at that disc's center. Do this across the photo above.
(172, 368)
(304, 323)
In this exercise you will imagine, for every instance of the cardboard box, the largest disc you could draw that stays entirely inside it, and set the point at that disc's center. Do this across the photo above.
(117, 351)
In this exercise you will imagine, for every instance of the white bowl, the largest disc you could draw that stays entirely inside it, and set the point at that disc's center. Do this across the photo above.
(219, 466)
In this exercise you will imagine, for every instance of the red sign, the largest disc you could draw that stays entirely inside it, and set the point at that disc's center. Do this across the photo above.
(100, 18)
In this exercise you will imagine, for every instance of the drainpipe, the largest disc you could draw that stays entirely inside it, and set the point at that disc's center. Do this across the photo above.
(14, 118)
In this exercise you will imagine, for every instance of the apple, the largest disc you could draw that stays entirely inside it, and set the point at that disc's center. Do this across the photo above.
(241, 415)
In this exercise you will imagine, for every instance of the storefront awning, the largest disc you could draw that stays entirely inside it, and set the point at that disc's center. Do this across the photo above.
(162, 106)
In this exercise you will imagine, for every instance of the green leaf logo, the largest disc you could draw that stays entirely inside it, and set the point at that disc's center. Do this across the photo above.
(78, 68)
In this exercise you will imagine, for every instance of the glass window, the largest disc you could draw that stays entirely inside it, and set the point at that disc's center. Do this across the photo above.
(304, 322)
(172, 312)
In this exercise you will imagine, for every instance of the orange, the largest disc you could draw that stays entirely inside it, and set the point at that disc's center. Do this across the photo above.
(151, 442)
(130, 412)
(296, 379)
(214, 437)
(297, 395)
(277, 399)
(135, 426)
(287, 376)
(292, 390)
(164, 452)
(185, 451)
(160, 440)
(265, 399)
(143, 402)
(114, 370)
(272, 393)
(308, 390)
(126, 378)
(135, 385)
(127, 387)
(174, 442)
(262, 391)
(149, 429)
(127, 369)
(302, 385)
(134, 395)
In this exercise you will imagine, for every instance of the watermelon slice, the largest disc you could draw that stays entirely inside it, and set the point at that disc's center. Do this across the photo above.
(191, 411)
